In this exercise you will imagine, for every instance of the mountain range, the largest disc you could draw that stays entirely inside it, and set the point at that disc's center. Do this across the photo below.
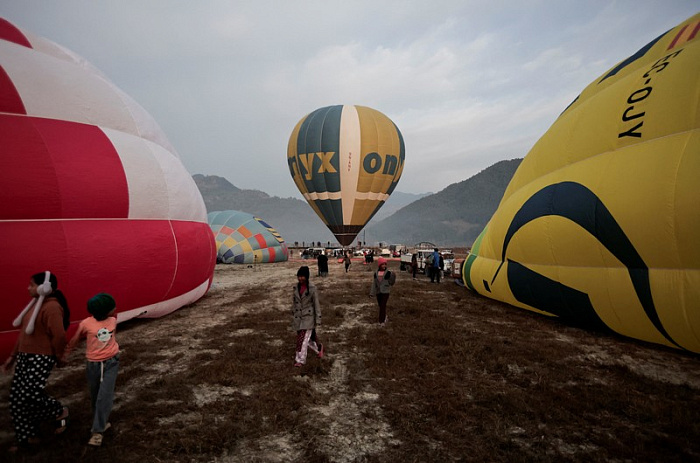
(452, 217)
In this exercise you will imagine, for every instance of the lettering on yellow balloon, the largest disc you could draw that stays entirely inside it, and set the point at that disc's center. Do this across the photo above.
(306, 169)
(638, 96)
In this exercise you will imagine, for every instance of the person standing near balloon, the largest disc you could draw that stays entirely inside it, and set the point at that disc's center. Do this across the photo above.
(102, 354)
(322, 260)
(306, 316)
(41, 341)
(381, 287)
(347, 261)
(414, 264)
(435, 267)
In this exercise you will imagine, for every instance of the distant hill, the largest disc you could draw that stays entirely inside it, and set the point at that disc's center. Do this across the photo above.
(454, 216)
(291, 217)
(396, 201)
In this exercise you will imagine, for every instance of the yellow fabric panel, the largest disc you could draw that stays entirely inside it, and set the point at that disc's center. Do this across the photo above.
(292, 154)
(363, 210)
(633, 140)
(677, 300)
(378, 136)
(245, 245)
(230, 242)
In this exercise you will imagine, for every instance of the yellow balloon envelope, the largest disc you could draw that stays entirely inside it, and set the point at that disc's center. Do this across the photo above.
(346, 161)
(601, 222)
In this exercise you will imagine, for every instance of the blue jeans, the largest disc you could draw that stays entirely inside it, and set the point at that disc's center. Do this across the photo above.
(102, 377)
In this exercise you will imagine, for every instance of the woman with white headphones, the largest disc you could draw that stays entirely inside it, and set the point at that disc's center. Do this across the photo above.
(41, 341)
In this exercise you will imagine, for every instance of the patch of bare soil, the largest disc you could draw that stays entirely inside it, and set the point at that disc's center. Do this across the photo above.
(452, 377)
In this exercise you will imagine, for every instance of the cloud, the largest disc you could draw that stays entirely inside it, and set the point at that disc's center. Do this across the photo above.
(468, 83)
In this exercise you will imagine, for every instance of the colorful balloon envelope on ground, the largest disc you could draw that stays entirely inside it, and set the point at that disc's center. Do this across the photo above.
(601, 222)
(242, 238)
(346, 161)
(91, 190)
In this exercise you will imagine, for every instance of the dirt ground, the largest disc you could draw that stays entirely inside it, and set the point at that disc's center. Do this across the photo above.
(452, 377)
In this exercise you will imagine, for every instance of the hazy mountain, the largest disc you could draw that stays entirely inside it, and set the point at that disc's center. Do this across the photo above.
(454, 216)
(291, 217)
(396, 201)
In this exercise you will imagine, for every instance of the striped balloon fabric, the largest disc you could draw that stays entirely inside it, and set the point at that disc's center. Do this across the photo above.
(242, 238)
(346, 161)
(91, 190)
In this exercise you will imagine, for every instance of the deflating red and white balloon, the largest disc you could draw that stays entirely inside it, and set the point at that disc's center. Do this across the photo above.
(91, 190)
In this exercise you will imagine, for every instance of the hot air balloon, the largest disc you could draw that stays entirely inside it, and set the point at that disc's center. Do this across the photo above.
(242, 238)
(346, 161)
(601, 222)
(91, 190)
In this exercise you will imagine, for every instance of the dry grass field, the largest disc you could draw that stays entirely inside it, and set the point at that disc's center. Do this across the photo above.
(452, 377)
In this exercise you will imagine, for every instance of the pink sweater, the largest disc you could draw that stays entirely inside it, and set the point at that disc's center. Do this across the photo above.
(101, 341)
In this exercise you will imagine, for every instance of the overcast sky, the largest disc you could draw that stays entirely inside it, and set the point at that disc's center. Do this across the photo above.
(468, 83)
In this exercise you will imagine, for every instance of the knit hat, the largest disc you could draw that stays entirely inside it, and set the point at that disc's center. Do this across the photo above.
(303, 272)
(100, 305)
(381, 261)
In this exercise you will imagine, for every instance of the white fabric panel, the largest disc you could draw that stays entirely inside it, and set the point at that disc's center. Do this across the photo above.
(56, 89)
(147, 127)
(55, 83)
(322, 195)
(148, 192)
(165, 307)
(159, 185)
(350, 157)
(372, 195)
(47, 47)
(186, 202)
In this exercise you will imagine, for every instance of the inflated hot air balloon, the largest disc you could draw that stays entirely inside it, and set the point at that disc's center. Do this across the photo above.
(91, 190)
(242, 238)
(346, 161)
(601, 222)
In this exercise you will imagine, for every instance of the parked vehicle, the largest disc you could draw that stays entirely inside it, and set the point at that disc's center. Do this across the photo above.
(448, 257)
(421, 257)
(310, 253)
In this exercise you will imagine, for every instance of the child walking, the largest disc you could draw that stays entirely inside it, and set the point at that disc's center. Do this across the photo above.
(102, 352)
(381, 287)
(306, 312)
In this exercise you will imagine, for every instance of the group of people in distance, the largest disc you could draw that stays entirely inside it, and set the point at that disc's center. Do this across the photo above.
(42, 344)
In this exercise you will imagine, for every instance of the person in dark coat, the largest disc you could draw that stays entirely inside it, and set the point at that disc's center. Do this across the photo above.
(322, 260)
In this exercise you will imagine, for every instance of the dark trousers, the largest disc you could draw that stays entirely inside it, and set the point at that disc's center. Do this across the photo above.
(382, 300)
(102, 378)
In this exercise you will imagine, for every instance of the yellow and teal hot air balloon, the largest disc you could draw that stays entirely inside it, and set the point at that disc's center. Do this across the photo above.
(346, 161)
(601, 222)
